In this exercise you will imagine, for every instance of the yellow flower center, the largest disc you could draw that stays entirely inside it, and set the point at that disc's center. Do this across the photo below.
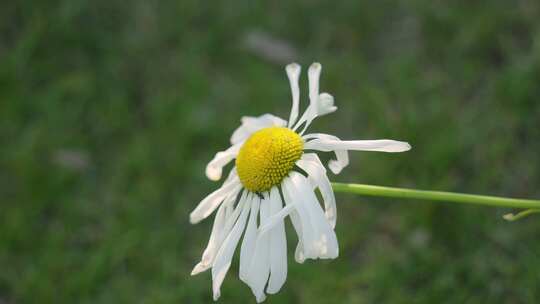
(267, 157)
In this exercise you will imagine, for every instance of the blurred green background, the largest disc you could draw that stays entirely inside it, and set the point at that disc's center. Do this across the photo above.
(110, 110)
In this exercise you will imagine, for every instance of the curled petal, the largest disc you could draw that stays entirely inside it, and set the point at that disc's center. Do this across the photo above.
(319, 104)
(214, 168)
(342, 156)
(325, 104)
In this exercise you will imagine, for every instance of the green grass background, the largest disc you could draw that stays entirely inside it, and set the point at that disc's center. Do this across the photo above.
(140, 95)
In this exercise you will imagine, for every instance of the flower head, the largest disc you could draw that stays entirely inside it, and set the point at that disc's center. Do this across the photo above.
(267, 157)
(275, 177)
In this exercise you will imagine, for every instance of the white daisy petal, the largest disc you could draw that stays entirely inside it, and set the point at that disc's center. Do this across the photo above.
(290, 210)
(224, 256)
(314, 74)
(212, 201)
(311, 163)
(248, 244)
(320, 104)
(278, 247)
(212, 247)
(229, 203)
(214, 168)
(382, 145)
(221, 228)
(251, 125)
(342, 156)
(293, 73)
(341, 161)
(260, 262)
(325, 241)
(235, 213)
(278, 217)
(301, 222)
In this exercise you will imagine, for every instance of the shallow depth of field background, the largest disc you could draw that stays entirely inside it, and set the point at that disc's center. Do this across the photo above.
(109, 112)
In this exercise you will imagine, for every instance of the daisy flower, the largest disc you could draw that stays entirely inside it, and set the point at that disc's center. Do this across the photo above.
(276, 175)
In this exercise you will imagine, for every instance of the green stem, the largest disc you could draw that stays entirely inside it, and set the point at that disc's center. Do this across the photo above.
(436, 196)
(514, 217)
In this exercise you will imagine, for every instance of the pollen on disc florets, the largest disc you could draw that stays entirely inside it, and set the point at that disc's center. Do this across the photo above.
(267, 157)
